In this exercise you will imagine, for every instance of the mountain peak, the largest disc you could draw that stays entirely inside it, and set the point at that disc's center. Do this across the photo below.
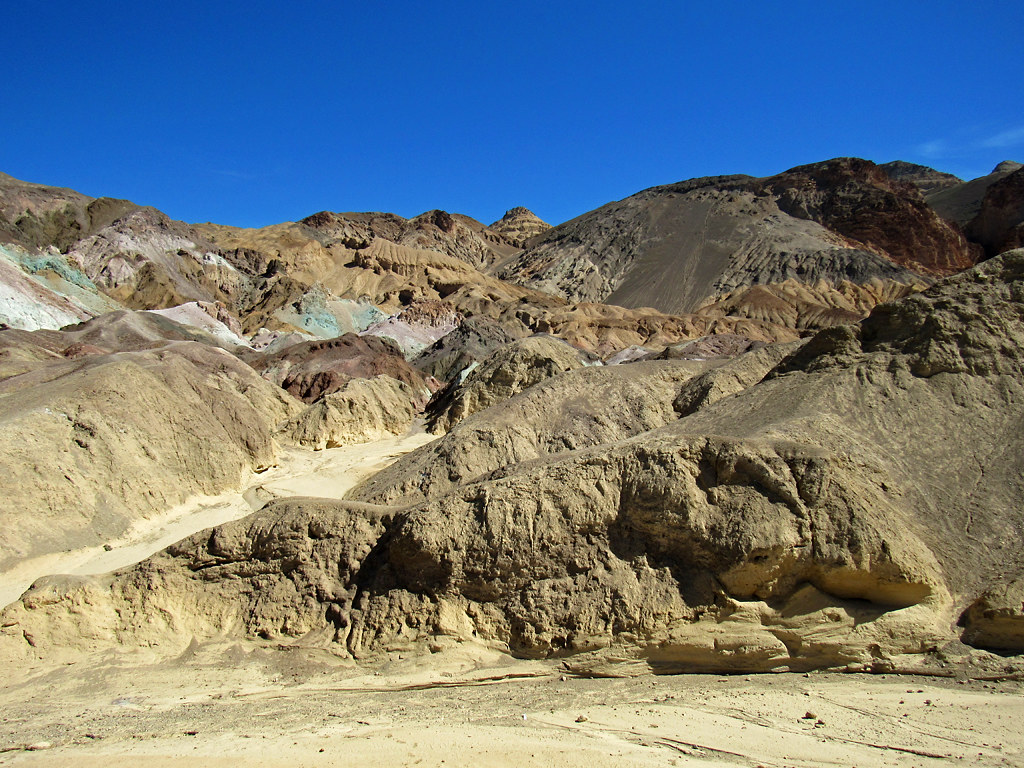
(1007, 166)
(519, 225)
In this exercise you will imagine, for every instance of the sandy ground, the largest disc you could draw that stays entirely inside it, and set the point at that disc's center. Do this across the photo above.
(300, 473)
(228, 704)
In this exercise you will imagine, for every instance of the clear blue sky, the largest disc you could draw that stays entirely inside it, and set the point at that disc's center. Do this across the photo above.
(259, 112)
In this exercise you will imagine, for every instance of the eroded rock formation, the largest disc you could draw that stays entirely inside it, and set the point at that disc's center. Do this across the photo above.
(94, 440)
(359, 411)
(849, 506)
(506, 372)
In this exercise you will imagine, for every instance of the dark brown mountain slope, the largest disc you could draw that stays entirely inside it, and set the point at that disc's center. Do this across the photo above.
(675, 246)
(999, 224)
(926, 179)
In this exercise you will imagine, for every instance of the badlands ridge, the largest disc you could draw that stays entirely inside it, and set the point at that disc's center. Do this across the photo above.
(727, 425)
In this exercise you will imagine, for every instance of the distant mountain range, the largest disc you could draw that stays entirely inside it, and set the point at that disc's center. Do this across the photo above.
(823, 242)
(672, 247)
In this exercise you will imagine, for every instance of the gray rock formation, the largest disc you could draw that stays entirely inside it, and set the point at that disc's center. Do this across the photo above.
(506, 372)
(471, 342)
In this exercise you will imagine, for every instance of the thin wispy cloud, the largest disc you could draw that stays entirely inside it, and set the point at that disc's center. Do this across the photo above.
(235, 175)
(1011, 138)
(934, 148)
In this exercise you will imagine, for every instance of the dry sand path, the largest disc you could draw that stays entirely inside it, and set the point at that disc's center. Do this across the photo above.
(300, 472)
(230, 704)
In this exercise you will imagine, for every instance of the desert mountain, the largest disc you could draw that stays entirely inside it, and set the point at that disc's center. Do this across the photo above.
(42, 290)
(505, 372)
(311, 369)
(927, 180)
(520, 225)
(360, 410)
(673, 247)
(962, 202)
(455, 235)
(999, 224)
(473, 340)
(119, 418)
(850, 500)
(333, 274)
(38, 216)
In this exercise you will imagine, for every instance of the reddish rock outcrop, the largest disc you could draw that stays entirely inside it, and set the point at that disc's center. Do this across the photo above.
(857, 199)
(316, 368)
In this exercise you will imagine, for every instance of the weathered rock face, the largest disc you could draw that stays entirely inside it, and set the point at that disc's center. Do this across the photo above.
(120, 331)
(44, 291)
(519, 226)
(807, 307)
(338, 273)
(93, 441)
(38, 216)
(851, 506)
(312, 369)
(418, 326)
(136, 255)
(454, 235)
(576, 410)
(999, 225)
(360, 411)
(672, 247)
(506, 372)
(926, 179)
(471, 342)
(996, 619)
(605, 328)
(857, 200)
(209, 316)
(148, 261)
(962, 202)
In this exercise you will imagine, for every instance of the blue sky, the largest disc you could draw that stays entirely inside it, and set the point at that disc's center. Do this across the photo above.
(260, 112)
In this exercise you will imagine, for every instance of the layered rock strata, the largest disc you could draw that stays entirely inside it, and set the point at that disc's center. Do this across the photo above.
(857, 504)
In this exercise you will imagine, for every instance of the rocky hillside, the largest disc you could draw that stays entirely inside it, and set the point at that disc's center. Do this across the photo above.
(999, 224)
(455, 235)
(504, 373)
(120, 418)
(37, 216)
(675, 246)
(927, 180)
(73, 257)
(853, 500)
(519, 226)
(962, 202)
